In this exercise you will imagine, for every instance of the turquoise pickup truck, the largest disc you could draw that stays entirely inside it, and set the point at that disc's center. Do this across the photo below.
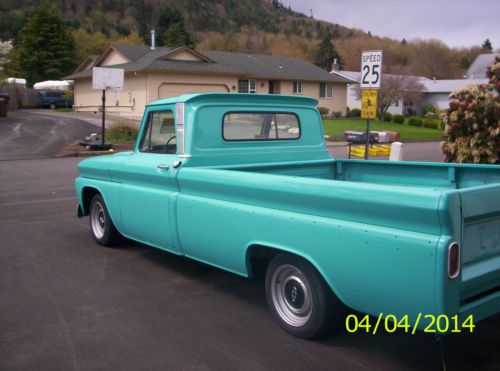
(245, 182)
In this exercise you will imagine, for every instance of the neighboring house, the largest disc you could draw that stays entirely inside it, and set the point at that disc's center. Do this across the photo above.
(438, 91)
(477, 69)
(152, 74)
(398, 108)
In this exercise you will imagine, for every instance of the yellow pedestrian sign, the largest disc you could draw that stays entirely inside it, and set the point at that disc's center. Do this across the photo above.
(369, 104)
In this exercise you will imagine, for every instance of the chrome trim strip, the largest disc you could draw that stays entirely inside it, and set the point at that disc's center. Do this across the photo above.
(455, 275)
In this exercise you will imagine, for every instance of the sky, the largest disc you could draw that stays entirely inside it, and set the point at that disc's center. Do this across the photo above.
(458, 23)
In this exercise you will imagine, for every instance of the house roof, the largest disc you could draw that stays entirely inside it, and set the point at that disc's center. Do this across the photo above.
(477, 69)
(142, 58)
(447, 86)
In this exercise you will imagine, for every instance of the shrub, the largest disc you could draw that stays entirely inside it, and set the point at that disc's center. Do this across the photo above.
(323, 111)
(122, 133)
(337, 114)
(355, 112)
(430, 109)
(398, 119)
(431, 124)
(472, 128)
(415, 121)
(387, 116)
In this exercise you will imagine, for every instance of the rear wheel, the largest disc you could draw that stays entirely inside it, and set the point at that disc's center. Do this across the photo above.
(52, 106)
(102, 227)
(299, 298)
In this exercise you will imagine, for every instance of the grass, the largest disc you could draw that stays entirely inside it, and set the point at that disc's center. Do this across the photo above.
(63, 109)
(335, 128)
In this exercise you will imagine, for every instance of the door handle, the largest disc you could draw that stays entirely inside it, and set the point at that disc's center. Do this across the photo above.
(163, 166)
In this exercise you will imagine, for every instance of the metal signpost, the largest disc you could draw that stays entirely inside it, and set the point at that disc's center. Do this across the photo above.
(371, 77)
(106, 79)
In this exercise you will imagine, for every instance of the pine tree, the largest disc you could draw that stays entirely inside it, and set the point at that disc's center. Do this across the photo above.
(46, 48)
(171, 29)
(487, 46)
(326, 53)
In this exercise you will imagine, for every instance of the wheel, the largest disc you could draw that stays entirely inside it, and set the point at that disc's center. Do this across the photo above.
(102, 227)
(52, 106)
(299, 298)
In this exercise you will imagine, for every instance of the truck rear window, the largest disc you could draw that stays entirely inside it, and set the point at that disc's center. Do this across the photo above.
(237, 126)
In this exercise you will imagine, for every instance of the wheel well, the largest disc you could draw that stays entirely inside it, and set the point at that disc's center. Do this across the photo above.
(87, 194)
(258, 258)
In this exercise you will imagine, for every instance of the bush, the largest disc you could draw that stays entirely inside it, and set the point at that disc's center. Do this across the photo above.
(430, 109)
(387, 116)
(472, 128)
(355, 112)
(337, 114)
(398, 119)
(122, 133)
(415, 121)
(431, 124)
(323, 111)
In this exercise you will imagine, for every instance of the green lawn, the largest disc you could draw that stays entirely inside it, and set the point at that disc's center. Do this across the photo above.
(62, 109)
(335, 128)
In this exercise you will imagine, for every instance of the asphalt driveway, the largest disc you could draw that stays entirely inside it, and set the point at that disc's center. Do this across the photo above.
(68, 304)
(36, 134)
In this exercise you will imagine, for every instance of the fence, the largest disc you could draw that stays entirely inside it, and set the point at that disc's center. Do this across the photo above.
(20, 96)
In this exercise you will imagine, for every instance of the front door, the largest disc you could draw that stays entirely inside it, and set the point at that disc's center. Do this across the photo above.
(148, 190)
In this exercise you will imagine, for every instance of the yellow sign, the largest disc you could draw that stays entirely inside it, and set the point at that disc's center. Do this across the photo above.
(369, 104)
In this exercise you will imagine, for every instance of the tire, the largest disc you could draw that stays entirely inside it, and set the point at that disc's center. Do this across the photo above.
(299, 298)
(102, 228)
(52, 106)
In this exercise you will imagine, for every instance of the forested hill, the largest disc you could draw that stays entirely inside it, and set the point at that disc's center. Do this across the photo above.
(257, 26)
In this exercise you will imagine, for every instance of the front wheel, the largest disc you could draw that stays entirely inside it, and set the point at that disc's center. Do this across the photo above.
(102, 227)
(299, 298)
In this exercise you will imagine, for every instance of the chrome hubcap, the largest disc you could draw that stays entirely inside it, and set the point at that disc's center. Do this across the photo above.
(98, 220)
(291, 295)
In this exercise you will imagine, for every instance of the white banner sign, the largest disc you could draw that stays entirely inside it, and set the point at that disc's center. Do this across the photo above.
(107, 78)
(371, 69)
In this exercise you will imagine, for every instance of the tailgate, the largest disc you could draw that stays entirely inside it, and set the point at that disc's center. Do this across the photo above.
(480, 278)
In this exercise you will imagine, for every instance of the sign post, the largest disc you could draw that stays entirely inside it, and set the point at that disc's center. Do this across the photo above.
(371, 78)
(106, 79)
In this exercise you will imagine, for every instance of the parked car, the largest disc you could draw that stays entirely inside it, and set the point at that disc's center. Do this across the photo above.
(245, 182)
(53, 99)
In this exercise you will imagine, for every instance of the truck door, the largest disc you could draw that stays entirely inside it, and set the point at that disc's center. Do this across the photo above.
(148, 191)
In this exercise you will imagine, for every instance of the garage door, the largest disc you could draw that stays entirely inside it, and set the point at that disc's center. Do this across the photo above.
(168, 90)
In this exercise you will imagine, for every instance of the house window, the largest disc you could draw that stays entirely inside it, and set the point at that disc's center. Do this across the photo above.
(247, 86)
(325, 90)
(297, 87)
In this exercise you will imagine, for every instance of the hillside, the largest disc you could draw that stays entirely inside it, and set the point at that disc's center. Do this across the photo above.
(258, 26)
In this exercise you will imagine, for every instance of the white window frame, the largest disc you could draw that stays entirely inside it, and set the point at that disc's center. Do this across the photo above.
(252, 86)
(326, 95)
(297, 87)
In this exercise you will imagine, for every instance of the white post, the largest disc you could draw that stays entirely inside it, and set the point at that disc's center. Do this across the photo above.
(397, 150)
(153, 46)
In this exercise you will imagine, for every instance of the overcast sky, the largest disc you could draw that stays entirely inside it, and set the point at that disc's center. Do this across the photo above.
(456, 22)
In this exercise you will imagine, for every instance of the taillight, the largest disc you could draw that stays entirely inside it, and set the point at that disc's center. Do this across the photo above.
(453, 259)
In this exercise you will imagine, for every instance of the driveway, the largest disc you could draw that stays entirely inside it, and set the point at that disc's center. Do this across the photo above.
(69, 304)
(34, 134)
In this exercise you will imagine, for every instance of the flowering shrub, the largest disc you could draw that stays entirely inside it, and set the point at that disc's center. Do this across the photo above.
(473, 122)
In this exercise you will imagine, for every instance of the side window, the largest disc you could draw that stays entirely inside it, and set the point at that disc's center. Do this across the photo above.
(159, 136)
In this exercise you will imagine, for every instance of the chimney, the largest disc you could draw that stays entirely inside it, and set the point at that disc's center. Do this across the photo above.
(335, 65)
(153, 47)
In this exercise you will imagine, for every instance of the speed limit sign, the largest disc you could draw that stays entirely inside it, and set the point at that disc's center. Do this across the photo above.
(371, 69)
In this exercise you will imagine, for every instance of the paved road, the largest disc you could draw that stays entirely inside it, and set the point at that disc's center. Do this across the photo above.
(26, 135)
(68, 304)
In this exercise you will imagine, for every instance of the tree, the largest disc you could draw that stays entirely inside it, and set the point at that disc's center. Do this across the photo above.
(394, 88)
(326, 53)
(487, 46)
(46, 48)
(171, 29)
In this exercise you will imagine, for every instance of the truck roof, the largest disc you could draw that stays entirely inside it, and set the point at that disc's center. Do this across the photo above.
(239, 97)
